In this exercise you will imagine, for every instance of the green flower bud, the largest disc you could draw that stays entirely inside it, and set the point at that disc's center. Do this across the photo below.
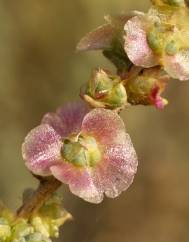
(19, 240)
(21, 229)
(40, 226)
(50, 217)
(5, 230)
(36, 237)
(146, 88)
(105, 90)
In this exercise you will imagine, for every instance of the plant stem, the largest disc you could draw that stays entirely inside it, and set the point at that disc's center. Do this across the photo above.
(45, 190)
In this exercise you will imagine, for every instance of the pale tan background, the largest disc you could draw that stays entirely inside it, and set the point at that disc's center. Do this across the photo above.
(39, 71)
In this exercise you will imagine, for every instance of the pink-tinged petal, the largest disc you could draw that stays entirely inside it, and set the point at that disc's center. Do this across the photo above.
(177, 66)
(72, 115)
(80, 181)
(55, 121)
(136, 45)
(118, 21)
(105, 125)
(98, 39)
(67, 119)
(41, 149)
(117, 170)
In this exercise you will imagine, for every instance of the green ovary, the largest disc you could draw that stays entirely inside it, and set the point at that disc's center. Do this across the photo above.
(81, 151)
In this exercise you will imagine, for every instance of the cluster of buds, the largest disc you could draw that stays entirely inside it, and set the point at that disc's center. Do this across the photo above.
(157, 42)
(39, 228)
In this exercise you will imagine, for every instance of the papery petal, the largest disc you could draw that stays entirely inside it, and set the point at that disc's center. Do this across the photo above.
(136, 45)
(80, 181)
(68, 118)
(118, 21)
(98, 39)
(105, 125)
(117, 170)
(72, 115)
(41, 149)
(55, 121)
(177, 66)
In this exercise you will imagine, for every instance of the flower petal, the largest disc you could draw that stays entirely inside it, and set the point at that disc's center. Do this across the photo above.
(80, 181)
(55, 121)
(177, 66)
(105, 125)
(72, 115)
(41, 149)
(117, 171)
(98, 39)
(136, 45)
(67, 119)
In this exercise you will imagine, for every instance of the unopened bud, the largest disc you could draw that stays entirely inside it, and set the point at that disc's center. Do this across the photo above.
(105, 90)
(147, 87)
(37, 237)
(5, 230)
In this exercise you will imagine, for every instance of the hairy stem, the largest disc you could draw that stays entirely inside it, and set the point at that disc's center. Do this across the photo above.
(45, 190)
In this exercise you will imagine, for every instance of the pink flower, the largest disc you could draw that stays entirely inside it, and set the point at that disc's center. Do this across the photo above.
(157, 38)
(88, 150)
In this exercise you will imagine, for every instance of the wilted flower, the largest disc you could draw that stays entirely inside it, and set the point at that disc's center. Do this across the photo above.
(147, 87)
(91, 152)
(160, 37)
(105, 90)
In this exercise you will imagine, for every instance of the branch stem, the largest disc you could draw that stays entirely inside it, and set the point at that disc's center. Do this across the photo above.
(45, 190)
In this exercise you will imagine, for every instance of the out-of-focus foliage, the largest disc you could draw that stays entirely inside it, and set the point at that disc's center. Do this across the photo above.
(40, 70)
(40, 227)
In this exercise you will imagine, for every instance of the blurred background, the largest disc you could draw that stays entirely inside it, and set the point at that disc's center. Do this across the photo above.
(39, 70)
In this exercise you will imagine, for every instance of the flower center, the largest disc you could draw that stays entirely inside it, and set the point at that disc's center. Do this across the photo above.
(81, 151)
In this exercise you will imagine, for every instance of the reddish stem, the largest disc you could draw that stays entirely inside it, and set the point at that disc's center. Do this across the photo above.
(45, 190)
